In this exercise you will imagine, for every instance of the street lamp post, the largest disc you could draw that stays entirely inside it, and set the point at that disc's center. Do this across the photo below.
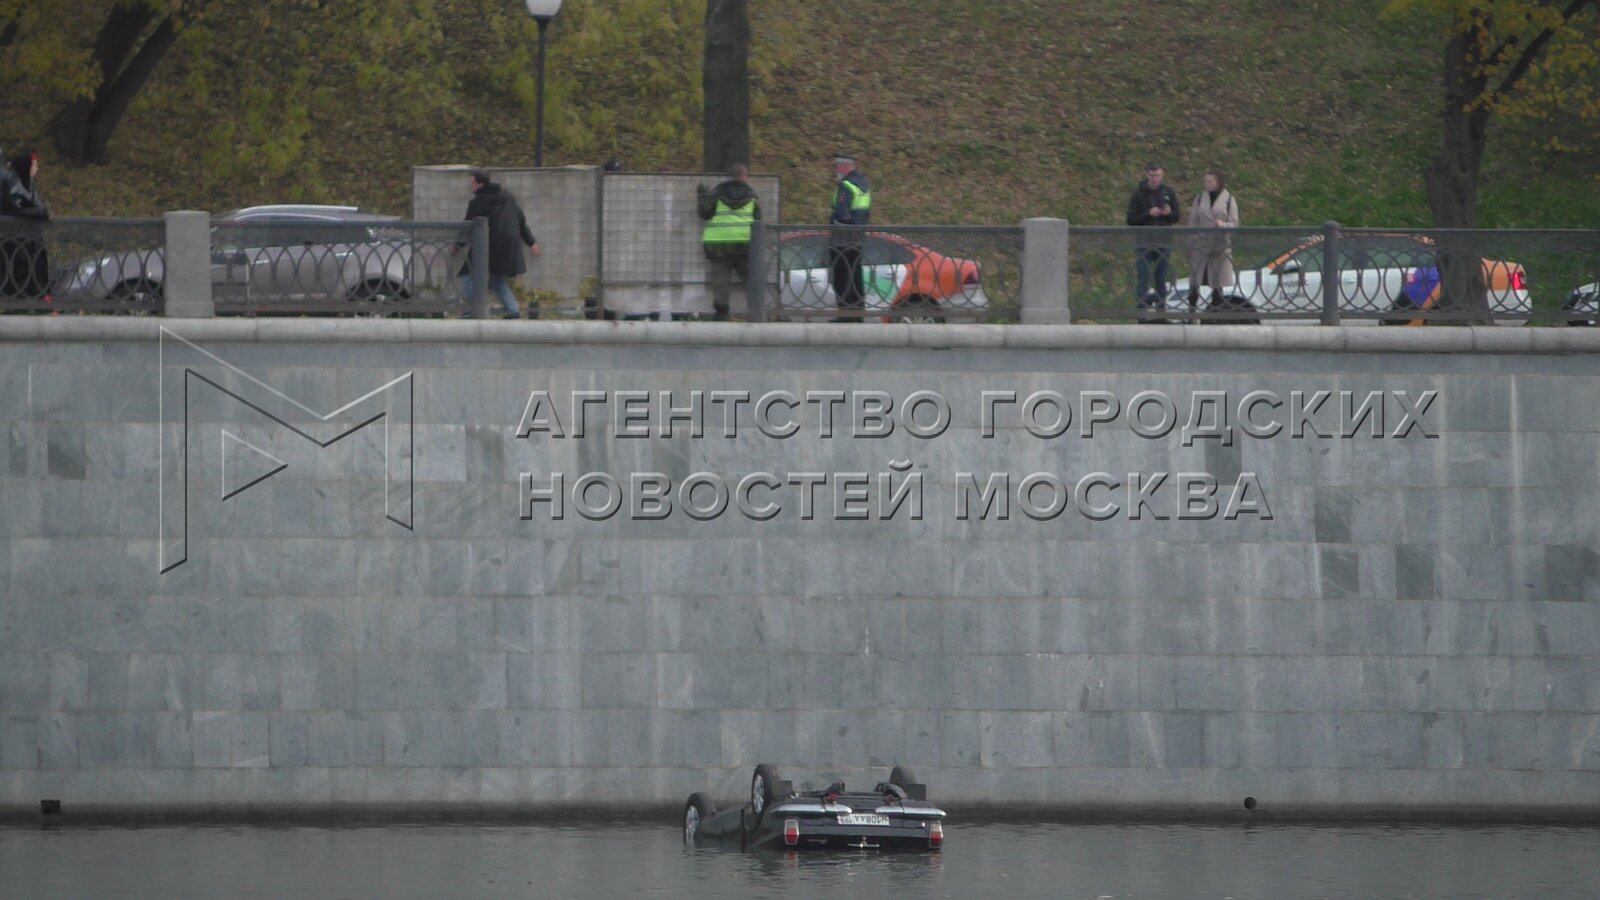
(543, 12)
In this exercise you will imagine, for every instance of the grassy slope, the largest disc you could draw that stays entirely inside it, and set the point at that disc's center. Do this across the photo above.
(963, 111)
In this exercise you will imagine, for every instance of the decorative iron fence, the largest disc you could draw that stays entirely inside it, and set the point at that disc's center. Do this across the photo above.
(895, 273)
(906, 273)
(71, 265)
(386, 268)
(79, 265)
(1333, 275)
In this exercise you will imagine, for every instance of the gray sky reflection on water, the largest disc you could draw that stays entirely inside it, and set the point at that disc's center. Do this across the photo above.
(1013, 861)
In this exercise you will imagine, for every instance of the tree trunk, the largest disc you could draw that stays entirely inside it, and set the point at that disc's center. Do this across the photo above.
(82, 129)
(725, 79)
(1452, 181)
(115, 102)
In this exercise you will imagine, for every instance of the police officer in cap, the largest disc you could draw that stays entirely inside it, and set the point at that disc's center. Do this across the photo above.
(852, 205)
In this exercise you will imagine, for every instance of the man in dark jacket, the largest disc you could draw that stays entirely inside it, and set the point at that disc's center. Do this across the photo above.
(24, 261)
(730, 211)
(852, 205)
(1153, 205)
(508, 234)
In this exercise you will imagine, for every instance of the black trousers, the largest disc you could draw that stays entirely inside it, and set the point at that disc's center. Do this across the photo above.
(844, 265)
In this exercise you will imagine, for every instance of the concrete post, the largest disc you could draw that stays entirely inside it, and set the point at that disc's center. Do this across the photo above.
(1044, 272)
(755, 283)
(186, 285)
(1331, 282)
(478, 268)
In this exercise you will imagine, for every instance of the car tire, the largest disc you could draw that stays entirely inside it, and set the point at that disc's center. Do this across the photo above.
(1579, 304)
(919, 310)
(902, 776)
(137, 298)
(762, 783)
(696, 813)
(384, 296)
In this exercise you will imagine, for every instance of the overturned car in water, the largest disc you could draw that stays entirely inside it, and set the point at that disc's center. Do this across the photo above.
(893, 815)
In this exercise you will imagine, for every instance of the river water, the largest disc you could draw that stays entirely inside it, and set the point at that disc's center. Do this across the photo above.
(988, 860)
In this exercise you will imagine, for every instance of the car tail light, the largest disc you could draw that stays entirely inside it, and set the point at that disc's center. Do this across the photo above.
(936, 835)
(1519, 281)
(791, 831)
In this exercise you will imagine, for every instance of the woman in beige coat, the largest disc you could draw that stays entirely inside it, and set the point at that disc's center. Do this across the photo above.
(1211, 253)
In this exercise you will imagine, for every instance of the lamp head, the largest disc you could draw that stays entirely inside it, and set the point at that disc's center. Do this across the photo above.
(543, 10)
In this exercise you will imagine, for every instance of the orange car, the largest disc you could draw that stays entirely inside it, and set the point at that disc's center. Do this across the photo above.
(896, 274)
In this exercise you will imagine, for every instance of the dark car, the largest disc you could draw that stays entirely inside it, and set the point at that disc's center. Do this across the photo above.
(893, 815)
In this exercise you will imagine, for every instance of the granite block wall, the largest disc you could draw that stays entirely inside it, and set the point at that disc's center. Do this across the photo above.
(1416, 627)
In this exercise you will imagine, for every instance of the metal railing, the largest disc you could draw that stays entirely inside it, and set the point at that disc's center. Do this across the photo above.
(80, 265)
(386, 268)
(119, 266)
(906, 273)
(1331, 275)
(1318, 275)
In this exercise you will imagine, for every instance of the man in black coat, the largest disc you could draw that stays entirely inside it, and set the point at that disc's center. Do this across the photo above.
(508, 234)
(1153, 205)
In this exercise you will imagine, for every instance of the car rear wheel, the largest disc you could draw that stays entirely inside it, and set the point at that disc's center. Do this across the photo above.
(377, 297)
(920, 310)
(1578, 304)
(136, 298)
(762, 783)
(699, 809)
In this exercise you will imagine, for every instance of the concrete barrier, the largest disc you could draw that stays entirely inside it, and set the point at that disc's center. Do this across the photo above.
(1414, 630)
(633, 237)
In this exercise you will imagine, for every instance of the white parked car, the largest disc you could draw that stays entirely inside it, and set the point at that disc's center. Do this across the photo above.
(1379, 276)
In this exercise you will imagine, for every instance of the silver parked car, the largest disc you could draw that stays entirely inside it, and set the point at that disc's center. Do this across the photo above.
(293, 259)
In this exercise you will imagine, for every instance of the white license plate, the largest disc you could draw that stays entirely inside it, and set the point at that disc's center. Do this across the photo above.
(863, 819)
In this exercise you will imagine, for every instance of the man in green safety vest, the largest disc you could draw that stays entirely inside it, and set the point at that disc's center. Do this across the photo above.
(852, 205)
(730, 210)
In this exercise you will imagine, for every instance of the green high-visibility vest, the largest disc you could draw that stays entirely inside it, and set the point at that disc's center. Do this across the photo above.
(860, 200)
(729, 225)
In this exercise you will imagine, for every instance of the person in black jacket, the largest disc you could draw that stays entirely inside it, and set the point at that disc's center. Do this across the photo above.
(508, 234)
(24, 262)
(852, 205)
(1153, 205)
(730, 211)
